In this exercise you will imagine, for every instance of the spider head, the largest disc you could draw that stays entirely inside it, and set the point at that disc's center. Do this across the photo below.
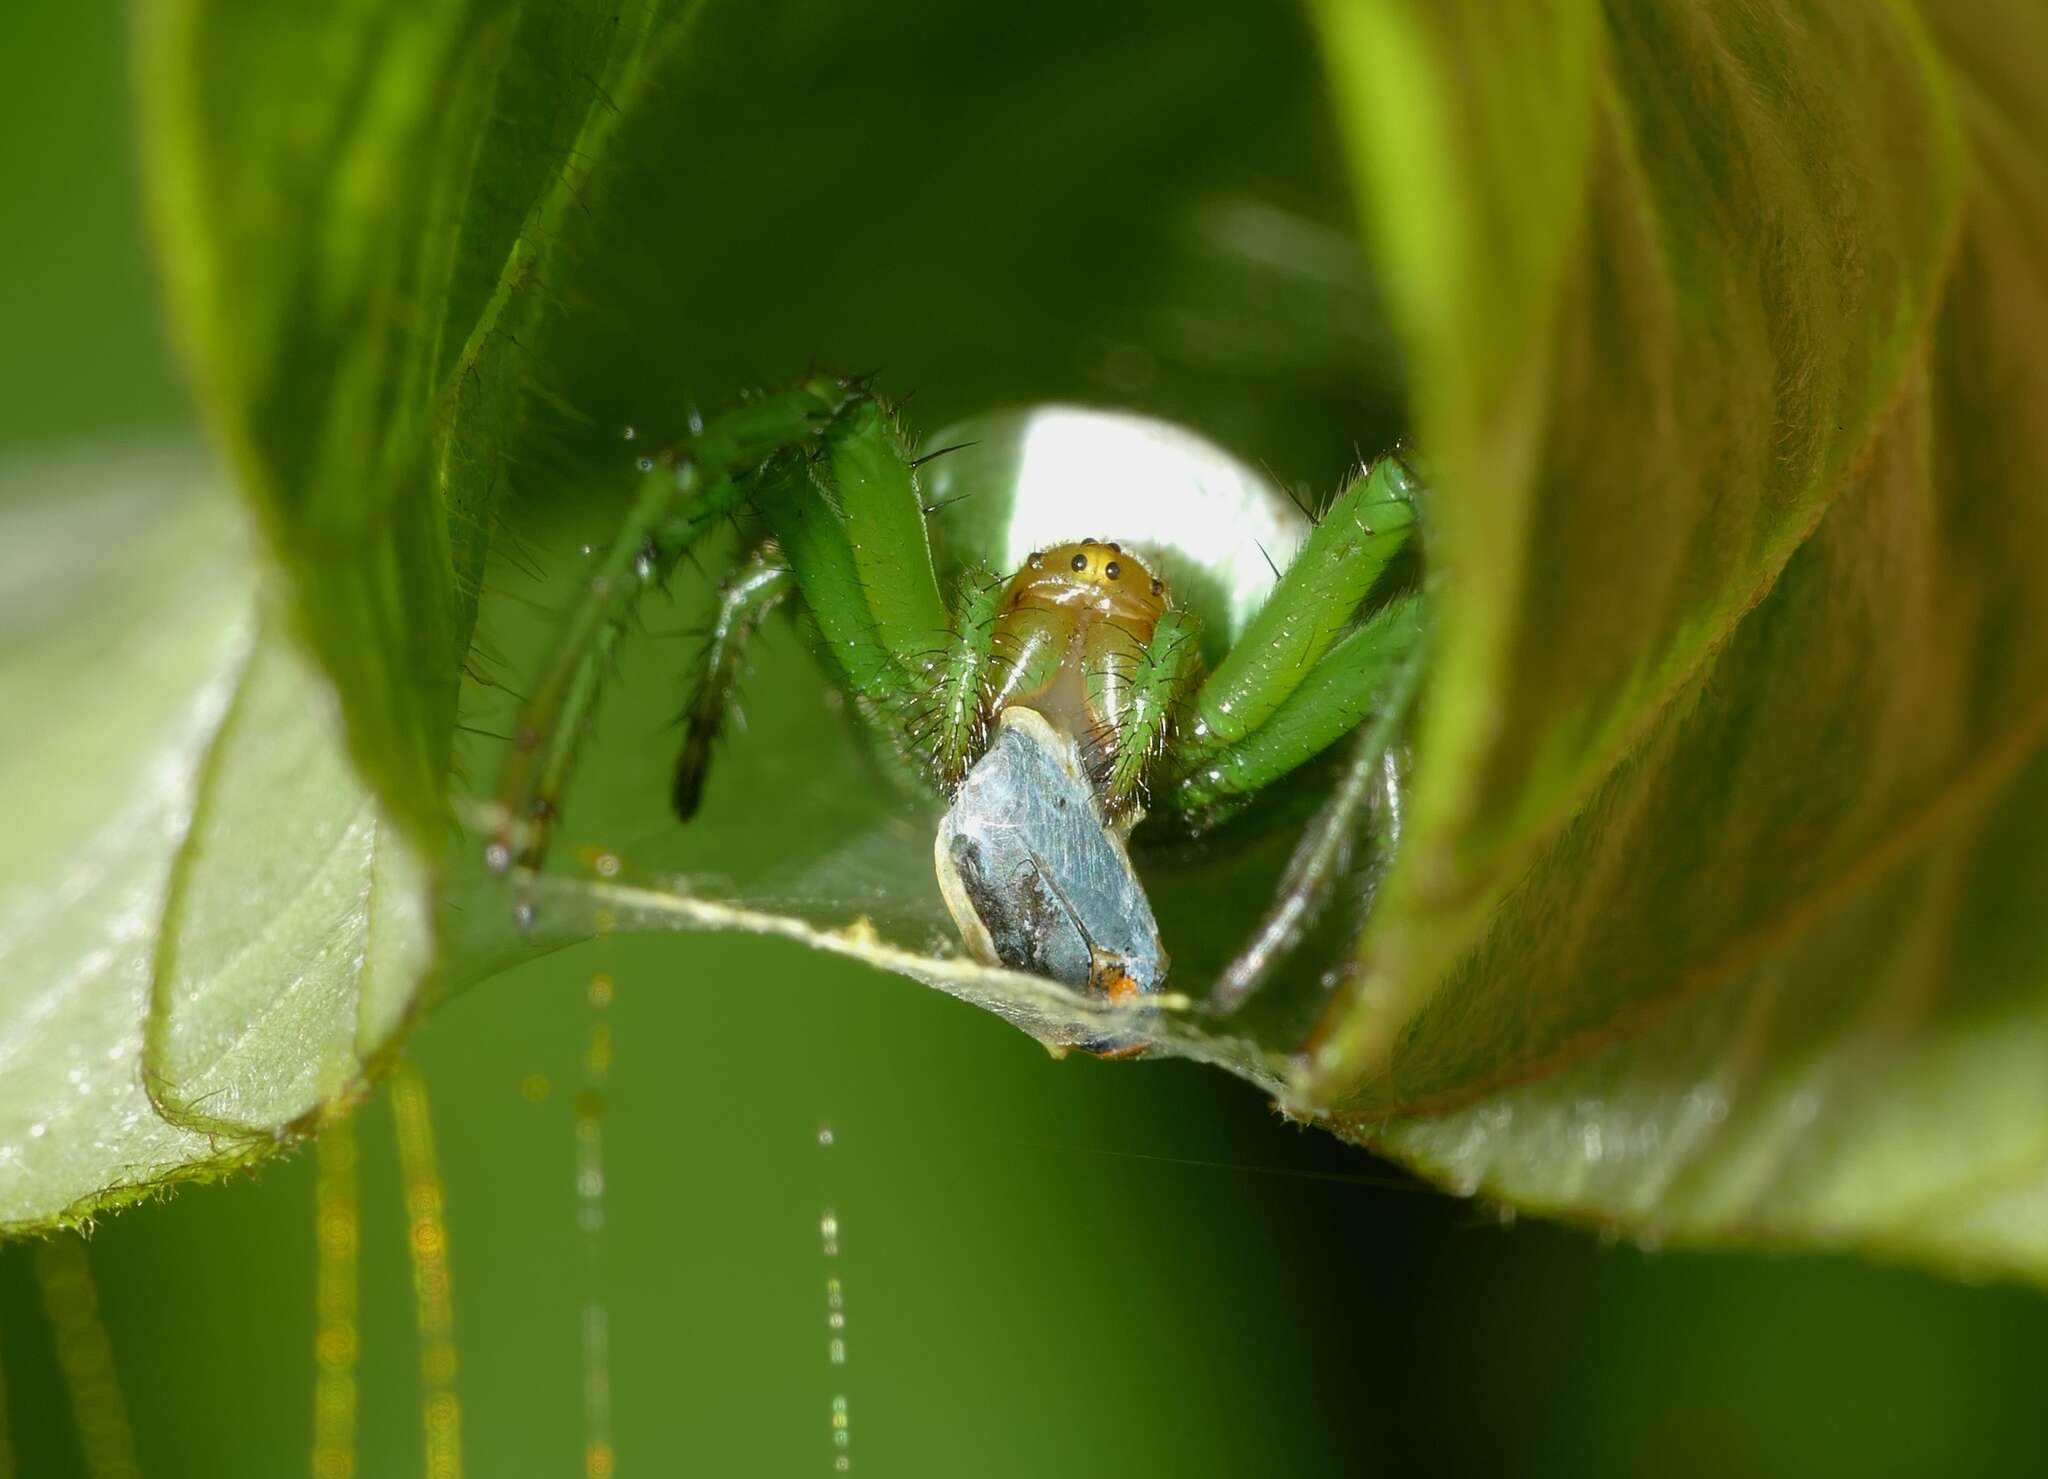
(1091, 575)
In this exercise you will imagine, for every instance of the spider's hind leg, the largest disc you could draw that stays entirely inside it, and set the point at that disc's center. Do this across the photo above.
(683, 492)
(1363, 812)
(755, 588)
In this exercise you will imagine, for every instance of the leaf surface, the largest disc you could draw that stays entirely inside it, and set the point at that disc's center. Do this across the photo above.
(169, 793)
(1719, 914)
(354, 207)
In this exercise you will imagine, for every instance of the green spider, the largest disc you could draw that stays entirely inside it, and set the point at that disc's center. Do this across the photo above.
(1187, 672)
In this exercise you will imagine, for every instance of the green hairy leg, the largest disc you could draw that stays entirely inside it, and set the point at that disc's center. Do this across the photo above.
(851, 525)
(1165, 670)
(744, 601)
(685, 493)
(883, 516)
(1360, 534)
(954, 726)
(1350, 682)
(1330, 845)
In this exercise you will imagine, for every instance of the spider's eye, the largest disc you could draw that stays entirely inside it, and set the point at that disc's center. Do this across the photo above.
(1112, 569)
(1158, 587)
(1080, 562)
(1037, 560)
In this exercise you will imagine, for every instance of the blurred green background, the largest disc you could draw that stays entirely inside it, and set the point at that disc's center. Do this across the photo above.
(1069, 1267)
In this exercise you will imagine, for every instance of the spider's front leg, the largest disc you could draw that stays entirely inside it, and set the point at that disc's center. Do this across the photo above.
(1305, 673)
(851, 526)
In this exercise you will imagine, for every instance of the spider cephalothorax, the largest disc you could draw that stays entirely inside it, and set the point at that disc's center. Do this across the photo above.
(1073, 630)
(1102, 638)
